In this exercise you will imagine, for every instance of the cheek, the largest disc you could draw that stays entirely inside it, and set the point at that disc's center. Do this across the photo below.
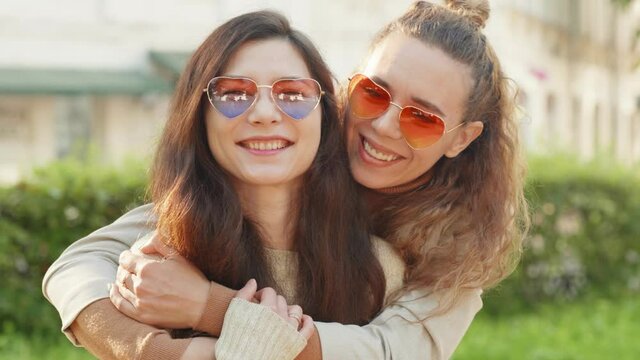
(424, 161)
(218, 137)
(352, 133)
(315, 134)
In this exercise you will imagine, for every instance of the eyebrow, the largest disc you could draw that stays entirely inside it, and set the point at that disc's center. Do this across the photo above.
(424, 103)
(293, 77)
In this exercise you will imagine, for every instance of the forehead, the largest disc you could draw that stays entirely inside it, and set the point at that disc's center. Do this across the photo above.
(413, 69)
(266, 61)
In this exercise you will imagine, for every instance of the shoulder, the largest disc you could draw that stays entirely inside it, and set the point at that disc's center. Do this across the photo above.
(143, 213)
(391, 262)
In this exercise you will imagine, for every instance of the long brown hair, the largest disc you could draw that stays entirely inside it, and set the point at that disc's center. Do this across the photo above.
(464, 228)
(339, 277)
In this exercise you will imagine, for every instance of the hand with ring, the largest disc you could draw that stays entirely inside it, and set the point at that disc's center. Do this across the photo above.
(268, 297)
(159, 288)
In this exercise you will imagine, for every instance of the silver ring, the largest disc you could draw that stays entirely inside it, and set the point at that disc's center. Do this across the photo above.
(296, 316)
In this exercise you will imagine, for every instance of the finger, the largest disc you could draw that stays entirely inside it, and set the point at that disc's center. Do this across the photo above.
(307, 328)
(282, 308)
(269, 298)
(295, 314)
(133, 263)
(120, 302)
(248, 291)
(127, 294)
(124, 277)
(157, 245)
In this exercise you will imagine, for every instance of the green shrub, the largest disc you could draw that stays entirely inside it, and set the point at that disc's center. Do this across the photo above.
(584, 239)
(40, 217)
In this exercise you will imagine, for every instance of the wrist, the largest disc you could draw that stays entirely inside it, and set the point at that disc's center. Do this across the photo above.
(202, 294)
(218, 300)
(254, 331)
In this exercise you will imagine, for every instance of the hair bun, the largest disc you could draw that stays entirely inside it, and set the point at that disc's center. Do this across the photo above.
(477, 11)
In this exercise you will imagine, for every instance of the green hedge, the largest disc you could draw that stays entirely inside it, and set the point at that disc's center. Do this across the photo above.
(40, 217)
(585, 237)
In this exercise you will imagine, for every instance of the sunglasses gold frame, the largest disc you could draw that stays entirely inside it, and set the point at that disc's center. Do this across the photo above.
(402, 108)
(258, 86)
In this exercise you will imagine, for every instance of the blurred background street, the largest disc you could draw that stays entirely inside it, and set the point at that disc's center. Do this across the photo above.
(84, 91)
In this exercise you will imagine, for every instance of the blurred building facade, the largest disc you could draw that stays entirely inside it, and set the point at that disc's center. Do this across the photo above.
(100, 72)
(576, 64)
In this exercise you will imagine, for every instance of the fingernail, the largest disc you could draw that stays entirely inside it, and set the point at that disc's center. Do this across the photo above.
(109, 285)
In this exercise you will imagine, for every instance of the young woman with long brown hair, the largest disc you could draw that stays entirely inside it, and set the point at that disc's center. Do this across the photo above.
(431, 135)
(241, 179)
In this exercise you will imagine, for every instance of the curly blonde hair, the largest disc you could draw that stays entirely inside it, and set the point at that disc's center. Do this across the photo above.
(464, 227)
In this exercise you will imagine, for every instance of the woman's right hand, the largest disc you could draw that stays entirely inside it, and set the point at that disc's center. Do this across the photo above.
(277, 303)
(164, 291)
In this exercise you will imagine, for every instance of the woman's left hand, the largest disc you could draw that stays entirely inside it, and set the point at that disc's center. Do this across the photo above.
(165, 292)
(277, 303)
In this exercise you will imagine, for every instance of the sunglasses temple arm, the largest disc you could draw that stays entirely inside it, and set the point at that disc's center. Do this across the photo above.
(455, 127)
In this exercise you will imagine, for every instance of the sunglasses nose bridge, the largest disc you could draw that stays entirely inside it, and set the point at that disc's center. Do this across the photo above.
(265, 108)
(396, 105)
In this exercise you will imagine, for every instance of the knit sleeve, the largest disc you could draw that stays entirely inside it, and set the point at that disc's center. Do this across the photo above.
(254, 331)
(402, 330)
(212, 317)
(108, 334)
(80, 275)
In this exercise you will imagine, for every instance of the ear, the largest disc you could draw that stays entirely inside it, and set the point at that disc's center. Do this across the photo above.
(466, 134)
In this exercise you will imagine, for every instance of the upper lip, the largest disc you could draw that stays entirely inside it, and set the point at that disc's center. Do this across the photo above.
(380, 147)
(265, 138)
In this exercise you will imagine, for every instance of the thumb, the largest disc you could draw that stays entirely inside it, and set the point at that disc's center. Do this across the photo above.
(155, 245)
(248, 291)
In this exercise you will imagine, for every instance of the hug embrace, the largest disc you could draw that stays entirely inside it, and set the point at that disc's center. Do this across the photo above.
(294, 218)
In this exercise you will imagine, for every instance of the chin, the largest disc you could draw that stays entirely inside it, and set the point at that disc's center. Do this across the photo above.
(366, 180)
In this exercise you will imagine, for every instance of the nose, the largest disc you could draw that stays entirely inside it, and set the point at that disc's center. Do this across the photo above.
(264, 110)
(387, 123)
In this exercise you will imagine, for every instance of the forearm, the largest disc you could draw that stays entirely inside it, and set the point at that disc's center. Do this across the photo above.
(402, 330)
(80, 275)
(217, 304)
(200, 348)
(108, 334)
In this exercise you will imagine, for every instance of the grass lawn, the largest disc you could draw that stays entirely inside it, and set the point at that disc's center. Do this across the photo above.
(21, 347)
(595, 329)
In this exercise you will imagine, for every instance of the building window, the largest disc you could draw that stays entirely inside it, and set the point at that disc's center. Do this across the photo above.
(613, 142)
(598, 139)
(73, 126)
(576, 119)
(14, 134)
(552, 128)
(524, 117)
(635, 137)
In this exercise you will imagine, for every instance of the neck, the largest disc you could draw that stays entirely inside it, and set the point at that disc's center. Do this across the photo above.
(271, 208)
(410, 186)
(376, 199)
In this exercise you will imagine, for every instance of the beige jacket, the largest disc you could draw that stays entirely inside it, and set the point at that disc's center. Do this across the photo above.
(81, 274)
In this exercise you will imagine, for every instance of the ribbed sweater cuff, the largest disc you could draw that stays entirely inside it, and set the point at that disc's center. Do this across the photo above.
(253, 331)
(212, 317)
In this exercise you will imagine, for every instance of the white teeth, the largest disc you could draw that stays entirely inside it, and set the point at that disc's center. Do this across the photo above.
(377, 154)
(265, 145)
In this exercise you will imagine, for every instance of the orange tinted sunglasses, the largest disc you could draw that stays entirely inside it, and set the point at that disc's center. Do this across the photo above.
(420, 128)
